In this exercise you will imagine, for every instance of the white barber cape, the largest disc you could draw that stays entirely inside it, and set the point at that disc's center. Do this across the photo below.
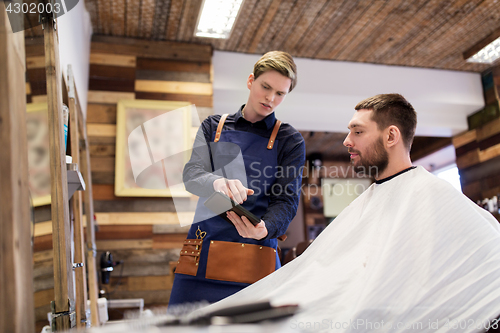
(410, 254)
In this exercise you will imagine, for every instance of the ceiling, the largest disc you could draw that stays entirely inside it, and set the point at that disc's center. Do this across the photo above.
(417, 33)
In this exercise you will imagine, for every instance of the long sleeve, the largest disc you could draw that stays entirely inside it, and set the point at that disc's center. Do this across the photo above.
(197, 175)
(285, 192)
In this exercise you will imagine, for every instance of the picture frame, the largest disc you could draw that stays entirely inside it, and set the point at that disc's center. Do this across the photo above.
(153, 143)
(37, 129)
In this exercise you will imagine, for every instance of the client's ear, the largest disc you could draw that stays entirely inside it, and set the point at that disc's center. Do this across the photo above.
(393, 136)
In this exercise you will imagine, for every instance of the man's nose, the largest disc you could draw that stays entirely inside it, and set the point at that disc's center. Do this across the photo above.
(347, 141)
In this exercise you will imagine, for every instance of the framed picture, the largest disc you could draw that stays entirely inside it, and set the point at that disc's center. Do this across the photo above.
(37, 128)
(153, 143)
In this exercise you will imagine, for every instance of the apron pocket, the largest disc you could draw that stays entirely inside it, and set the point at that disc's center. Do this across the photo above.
(239, 262)
(189, 257)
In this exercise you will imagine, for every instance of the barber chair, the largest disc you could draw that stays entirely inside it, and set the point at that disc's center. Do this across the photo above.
(296, 251)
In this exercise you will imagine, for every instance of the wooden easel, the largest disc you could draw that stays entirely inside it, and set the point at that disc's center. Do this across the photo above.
(68, 311)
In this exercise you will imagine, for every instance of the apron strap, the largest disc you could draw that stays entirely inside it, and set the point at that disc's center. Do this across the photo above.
(219, 128)
(272, 139)
(270, 144)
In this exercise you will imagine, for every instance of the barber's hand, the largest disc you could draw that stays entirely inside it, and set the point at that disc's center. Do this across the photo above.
(245, 228)
(233, 188)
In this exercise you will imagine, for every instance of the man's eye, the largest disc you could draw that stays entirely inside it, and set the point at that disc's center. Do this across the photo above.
(265, 87)
(358, 132)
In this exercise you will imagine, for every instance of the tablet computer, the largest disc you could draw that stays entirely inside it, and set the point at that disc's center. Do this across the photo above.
(220, 203)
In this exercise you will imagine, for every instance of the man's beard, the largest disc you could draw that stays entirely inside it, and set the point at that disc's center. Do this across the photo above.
(375, 162)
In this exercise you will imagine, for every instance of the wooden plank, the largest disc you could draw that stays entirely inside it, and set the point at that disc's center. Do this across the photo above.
(468, 159)
(142, 218)
(488, 130)
(188, 20)
(101, 113)
(106, 164)
(101, 130)
(43, 255)
(118, 17)
(480, 171)
(365, 18)
(76, 205)
(490, 96)
(105, 84)
(43, 283)
(42, 243)
(482, 43)
(160, 19)
(260, 9)
(104, 192)
(112, 59)
(174, 87)
(284, 9)
(173, 65)
(145, 205)
(101, 133)
(392, 28)
(307, 19)
(108, 71)
(150, 257)
(263, 26)
(41, 315)
(109, 97)
(151, 49)
(43, 228)
(44, 297)
(147, 17)
(464, 138)
(16, 272)
(63, 273)
(103, 177)
(159, 297)
(340, 33)
(104, 10)
(39, 99)
(170, 229)
(89, 221)
(35, 49)
(173, 76)
(168, 241)
(370, 29)
(107, 245)
(458, 14)
(102, 150)
(198, 100)
(35, 62)
(148, 283)
(43, 269)
(239, 27)
(124, 232)
(489, 153)
(132, 17)
(174, 17)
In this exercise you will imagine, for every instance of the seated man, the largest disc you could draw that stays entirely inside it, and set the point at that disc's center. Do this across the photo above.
(409, 254)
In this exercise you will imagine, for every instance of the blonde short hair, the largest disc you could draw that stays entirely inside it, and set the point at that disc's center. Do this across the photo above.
(282, 62)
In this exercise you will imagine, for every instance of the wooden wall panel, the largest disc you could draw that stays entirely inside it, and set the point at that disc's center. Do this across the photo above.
(478, 155)
(144, 233)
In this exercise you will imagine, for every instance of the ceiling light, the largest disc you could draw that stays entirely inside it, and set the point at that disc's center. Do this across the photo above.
(486, 51)
(217, 18)
(488, 54)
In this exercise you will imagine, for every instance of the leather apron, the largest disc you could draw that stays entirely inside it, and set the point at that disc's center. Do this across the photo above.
(197, 283)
